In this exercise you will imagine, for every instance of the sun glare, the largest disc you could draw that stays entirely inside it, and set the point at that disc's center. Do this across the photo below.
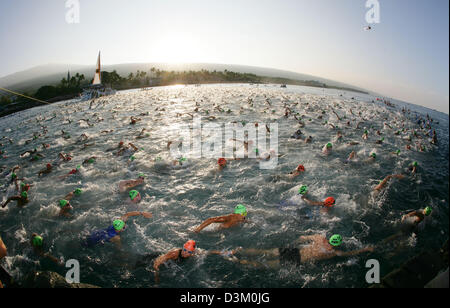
(176, 48)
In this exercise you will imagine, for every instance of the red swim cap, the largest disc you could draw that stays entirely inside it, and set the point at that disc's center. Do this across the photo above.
(301, 168)
(222, 162)
(121, 143)
(329, 202)
(189, 245)
(49, 166)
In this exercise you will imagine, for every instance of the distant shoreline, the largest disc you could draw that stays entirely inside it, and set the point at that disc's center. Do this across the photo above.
(70, 89)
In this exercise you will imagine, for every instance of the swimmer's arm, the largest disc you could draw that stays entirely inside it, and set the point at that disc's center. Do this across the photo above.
(209, 221)
(314, 203)
(383, 183)
(133, 146)
(171, 255)
(133, 214)
(3, 250)
(116, 241)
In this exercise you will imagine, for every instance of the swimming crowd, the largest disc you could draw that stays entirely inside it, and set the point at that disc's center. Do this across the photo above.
(320, 246)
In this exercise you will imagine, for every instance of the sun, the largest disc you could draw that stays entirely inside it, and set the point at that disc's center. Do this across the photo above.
(176, 48)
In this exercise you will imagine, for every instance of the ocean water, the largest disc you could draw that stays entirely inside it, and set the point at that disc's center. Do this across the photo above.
(181, 197)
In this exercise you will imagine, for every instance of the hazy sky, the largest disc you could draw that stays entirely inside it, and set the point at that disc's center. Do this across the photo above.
(405, 56)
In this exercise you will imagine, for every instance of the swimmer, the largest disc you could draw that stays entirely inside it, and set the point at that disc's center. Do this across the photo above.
(47, 170)
(65, 157)
(297, 171)
(135, 196)
(21, 199)
(228, 221)
(141, 134)
(178, 255)
(245, 143)
(413, 167)
(134, 120)
(65, 205)
(371, 158)
(90, 160)
(308, 139)
(222, 162)
(123, 149)
(320, 248)
(36, 157)
(409, 225)
(351, 156)
(112, 233)
(125, 185)
(73, 171)
(365, 135)
(327, 203)
(37, 242)
(380, 141)
(327, 148)
(383, 183)
(29, 152)
(297, 135)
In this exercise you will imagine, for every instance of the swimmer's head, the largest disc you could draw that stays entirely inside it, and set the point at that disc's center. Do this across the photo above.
(397, 152)
(240, 209)
(37, 241)
(63, 203)
(303, 190)
(118, 224)
(121, 143)
(365, 132)
(188, 248)
(78, 191)
(222, 162)
(135, 196)
(13, 175)
(78, 167)
(373, 155)
(49, 166)
(329, 202)
(24, 194)
(335, 240)
(141, 176)
(415, 164)
(300, 168)
(329, 145)
(427, 211)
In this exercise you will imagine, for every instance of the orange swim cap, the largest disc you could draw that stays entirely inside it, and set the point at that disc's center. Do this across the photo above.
(222, 162)
(189, 245)
(301, 168)
(329, 202)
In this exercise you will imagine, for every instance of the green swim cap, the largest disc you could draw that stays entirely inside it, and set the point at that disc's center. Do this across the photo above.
(13, 175)
(366, 132)
(63, 203)
(141, 175)
(428, 211)
(329, 145)
(183, 159)
(415, 164)
(91, 160)
(335, 240)
(78, 167)
(373, 155)
(118, 224)
(240, 209)
(303, 190)
(24, 194)
(37, 241)
(132, 158)
(256, 151)
(397, 152)
(78, 191)
(22, 184)
(133, 194)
